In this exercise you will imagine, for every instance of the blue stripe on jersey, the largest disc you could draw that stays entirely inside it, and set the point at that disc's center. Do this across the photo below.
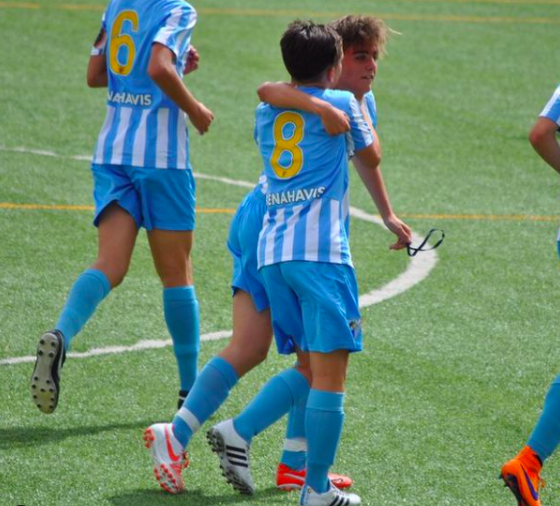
(130, 136)
(111, 135)
(324, 232)
(172, 139)
(150, 149)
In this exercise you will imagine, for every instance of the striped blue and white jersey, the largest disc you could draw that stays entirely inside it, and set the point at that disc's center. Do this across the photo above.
(307, 181)
(552, 108)
(371, 107)
(143, 127)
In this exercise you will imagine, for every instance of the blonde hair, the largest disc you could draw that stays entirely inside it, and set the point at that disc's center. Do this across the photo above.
(356, 30)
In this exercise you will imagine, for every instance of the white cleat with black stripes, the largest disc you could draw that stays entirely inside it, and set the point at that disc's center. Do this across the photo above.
(233, 451)
(332, 497)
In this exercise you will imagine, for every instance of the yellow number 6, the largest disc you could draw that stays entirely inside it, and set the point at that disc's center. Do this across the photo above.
(291, 145)
(118, 40)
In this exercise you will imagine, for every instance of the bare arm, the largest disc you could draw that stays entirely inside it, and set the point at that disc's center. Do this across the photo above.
(543, 139)
(286, 96)
(97, 65)
(370, 174)
(162, 70)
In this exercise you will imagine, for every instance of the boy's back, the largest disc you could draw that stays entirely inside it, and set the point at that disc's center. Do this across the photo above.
(143, 127)
(307, 177)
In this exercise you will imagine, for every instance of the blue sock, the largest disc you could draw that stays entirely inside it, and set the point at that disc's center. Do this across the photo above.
(180, 308)
(273, 401)
(88, 291)
(546, 434)
(323, 422)
(208, 393)
(295, 444)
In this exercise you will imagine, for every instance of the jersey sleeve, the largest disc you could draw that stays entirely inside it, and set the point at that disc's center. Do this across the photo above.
(100, 44)
(359, 136)
(176, 30)
(371, 108)
(552, 108)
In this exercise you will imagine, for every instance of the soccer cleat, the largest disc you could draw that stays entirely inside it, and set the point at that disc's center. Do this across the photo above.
(168, 461)
(182, 396)
(45, 380)
(288, 479)
(521, 476)
(233, 451)
(332, 497)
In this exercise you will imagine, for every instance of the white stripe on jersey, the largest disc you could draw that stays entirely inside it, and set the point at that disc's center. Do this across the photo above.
(551, 103)
(312, 231)
(271, 237)
(171, 26)
(139, 148)
(181, 140)
(103, 134)
(288, 244)
(124, 120)
(335, 254)
(162, 143)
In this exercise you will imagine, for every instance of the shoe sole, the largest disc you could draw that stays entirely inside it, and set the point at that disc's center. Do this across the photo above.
(510, 482)
(289, 487)
(44, 387)
(218, 446)
(163, 473)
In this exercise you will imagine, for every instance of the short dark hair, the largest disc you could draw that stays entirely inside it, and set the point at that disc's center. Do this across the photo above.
(309, 50)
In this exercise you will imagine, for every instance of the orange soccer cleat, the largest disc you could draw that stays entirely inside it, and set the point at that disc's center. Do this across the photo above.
(521, 476)
(288, 479)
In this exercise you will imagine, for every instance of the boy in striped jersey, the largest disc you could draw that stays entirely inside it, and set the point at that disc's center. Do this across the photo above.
(522, 473)
(142, 178)
(305, 262)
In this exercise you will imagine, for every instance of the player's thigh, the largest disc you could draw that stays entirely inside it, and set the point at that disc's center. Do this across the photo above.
(252, 334)
(329, 370)
(117, 232)
(171, 253)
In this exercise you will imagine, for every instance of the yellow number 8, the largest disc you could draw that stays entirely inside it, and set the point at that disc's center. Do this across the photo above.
(118, 40)
(290, 145)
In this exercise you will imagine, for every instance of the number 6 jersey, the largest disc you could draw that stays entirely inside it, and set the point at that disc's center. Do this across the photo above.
(307, 181)
(143, 127)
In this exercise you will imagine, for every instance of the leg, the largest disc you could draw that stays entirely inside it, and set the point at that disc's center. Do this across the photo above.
(117, 234)
(171, 253)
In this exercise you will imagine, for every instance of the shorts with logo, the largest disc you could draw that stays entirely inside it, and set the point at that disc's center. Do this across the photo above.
(314, 306)
(163, 199)
(242, 244)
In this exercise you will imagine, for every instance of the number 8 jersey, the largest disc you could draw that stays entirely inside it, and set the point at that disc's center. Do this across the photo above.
(307, 181)
(143, 127)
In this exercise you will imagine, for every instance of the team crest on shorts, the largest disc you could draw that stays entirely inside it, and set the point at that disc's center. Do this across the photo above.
(355, 327)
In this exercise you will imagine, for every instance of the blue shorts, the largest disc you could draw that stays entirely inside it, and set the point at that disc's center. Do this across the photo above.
(314, 306)
(242, 244)
(156, 198)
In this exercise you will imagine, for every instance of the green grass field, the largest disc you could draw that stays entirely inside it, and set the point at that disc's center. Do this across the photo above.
(455, 369)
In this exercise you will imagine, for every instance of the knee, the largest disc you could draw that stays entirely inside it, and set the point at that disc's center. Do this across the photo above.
(115, 272)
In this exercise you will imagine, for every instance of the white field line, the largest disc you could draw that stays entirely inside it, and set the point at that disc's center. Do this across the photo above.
(418, 269)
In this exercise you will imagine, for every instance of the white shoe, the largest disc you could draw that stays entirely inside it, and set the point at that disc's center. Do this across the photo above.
(168, 456)
(233, 451)
(332, 497)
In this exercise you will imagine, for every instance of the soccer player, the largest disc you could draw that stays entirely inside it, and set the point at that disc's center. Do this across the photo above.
(305, 261)
(142, 178)
(251, 328)
(522, 473)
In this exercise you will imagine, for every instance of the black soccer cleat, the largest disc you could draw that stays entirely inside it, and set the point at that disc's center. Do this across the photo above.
(45, 380)
(182, 396)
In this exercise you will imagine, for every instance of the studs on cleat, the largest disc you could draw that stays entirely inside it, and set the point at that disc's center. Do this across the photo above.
(40, 352)
(51, 354)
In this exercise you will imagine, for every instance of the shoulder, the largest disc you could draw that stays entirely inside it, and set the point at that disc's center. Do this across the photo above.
(339, 98)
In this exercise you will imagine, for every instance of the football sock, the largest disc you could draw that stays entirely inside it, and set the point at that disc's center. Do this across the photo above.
(546, 434)
(91, 287)
(208, 393)
(273, 401)
(180, 308)
(295, 444)
(323, 421)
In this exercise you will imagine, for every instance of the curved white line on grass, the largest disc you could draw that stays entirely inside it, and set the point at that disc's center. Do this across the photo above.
(418, 269)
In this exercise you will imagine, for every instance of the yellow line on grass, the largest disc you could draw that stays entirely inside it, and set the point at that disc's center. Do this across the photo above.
(305, 13)
(60, 207)
(228, 210)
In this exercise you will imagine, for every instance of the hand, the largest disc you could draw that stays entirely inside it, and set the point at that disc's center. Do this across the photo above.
(201, 118)
(334, 120)
(192, 61)
(401, 230)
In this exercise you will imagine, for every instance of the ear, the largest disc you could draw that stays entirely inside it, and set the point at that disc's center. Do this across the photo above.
(331, 75)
